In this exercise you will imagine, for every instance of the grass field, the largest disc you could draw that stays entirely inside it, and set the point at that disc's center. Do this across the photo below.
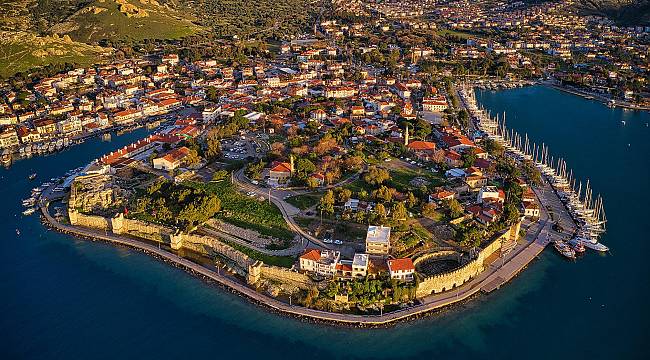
(246, 212)
(304, 201)
(401, 178)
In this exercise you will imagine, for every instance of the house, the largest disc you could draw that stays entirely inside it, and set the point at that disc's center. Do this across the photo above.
(490, 194)
(441, 195)
(531, 210)
(351, 204)
(280, 173)
(378, 240)
(318, 115)
(434, 105)
(45, 126)
(423, 150)
(8, 137)
(172, 159)
(360, 265)
(401, 269)
(321, 262)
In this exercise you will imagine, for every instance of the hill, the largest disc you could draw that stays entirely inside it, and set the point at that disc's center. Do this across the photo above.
(624, 12)
(125, 20)
(36, 33)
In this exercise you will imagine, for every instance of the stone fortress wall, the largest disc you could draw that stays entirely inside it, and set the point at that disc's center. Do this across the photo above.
(141, 229)
(450, 280)
(90, 221)
(206, 245)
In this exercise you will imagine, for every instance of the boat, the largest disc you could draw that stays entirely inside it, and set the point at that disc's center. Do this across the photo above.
(564, 249)
(32, 176)
(6, 159)
(578, 247)
(589, 244)
(29, 211)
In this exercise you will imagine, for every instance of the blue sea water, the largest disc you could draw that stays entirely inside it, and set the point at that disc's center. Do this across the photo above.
(66, 298)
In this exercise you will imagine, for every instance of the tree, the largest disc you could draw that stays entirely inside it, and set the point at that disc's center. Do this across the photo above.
(429, 211)
(455, 208)
(277, 148)
(327, 202)
(470, 237)
(212, 145)
(383, 193)
(468, 158)
(380, 211)
(411, 200)
(376, 175)
(344, 195)
(399, 212)
(303, 168)
(312, 182)
(493, 147)
(192, 158)
(353, 163)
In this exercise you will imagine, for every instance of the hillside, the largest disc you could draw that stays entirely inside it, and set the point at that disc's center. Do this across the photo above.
(125, 19)
(256, 18)
(625, 12)
(36, 33)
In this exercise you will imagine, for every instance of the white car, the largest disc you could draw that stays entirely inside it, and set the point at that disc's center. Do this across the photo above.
(338, 242)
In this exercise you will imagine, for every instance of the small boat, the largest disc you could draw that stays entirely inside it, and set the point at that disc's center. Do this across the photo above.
(32, 176)
(564, 249)
(578, 247)
(623, 122)
(29, 211)
(6, 159)
(17, 232)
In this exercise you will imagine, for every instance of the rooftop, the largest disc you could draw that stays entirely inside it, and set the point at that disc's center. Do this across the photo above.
(378, 234)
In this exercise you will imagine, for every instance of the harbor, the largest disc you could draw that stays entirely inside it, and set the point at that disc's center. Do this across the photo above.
(586, 209)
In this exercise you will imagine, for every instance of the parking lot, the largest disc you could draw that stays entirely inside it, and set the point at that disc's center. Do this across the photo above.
(239, 148)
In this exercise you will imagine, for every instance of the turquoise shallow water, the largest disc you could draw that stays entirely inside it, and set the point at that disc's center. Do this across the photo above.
(64, 298)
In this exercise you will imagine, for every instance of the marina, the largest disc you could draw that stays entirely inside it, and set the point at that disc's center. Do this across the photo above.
(586, 209)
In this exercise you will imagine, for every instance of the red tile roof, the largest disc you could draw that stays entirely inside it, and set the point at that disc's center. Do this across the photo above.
(404, 264)
(421, 145)
(312, 254)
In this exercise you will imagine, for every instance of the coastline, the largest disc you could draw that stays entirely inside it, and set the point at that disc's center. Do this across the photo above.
(599, 98)
(489, 280)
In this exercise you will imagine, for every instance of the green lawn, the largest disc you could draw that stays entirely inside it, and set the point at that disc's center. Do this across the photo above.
(246, 212)
(401, 178)
(304, 201)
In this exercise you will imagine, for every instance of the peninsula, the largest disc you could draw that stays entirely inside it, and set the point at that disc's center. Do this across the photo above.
(361, 186)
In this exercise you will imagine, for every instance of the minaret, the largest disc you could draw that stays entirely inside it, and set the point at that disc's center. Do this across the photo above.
(406, 136)
(291, 163)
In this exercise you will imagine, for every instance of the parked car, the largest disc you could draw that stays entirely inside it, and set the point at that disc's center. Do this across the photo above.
(338, 242)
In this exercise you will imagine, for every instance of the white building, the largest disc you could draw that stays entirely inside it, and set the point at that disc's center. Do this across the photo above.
(360, 265)
(322, 262)
(401, 269)
(378, 240)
